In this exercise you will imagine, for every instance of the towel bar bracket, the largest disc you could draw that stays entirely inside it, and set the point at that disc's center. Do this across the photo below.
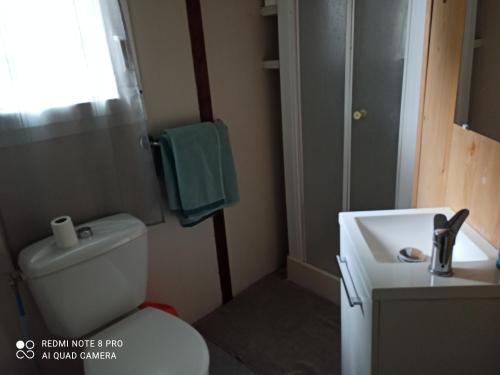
(146, 142)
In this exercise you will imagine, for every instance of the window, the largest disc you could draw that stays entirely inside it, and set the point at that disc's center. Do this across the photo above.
(53, 53)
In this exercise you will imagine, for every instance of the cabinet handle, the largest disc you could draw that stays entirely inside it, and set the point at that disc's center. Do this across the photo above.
(353, 301)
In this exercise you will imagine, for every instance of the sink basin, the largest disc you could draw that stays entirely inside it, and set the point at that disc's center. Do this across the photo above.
(385, 235)
(371, 241)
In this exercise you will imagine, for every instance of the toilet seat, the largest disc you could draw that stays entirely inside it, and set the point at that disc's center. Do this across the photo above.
(153, 343)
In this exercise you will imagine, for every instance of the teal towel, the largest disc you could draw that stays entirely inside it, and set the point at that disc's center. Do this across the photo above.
(200, 177)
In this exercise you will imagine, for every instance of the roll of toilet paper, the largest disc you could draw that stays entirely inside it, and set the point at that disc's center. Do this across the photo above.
(64, 232)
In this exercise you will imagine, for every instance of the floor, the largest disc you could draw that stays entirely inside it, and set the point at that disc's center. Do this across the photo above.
(274, 328)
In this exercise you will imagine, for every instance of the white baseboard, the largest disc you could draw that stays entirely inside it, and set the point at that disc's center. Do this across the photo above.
(314, 279)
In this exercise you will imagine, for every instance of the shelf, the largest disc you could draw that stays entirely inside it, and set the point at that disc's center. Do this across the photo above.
(269, 10)
(271, 64)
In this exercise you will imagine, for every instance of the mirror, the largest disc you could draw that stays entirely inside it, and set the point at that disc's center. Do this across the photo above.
(478, 97)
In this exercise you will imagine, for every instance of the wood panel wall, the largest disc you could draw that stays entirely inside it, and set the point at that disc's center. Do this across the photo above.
(456, 168)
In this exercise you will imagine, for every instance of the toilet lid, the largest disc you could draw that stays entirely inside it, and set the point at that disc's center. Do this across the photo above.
(154, 342)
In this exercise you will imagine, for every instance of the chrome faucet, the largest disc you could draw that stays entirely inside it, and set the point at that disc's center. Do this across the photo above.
(444, 235)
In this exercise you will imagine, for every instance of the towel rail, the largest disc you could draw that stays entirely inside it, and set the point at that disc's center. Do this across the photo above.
(155, 143)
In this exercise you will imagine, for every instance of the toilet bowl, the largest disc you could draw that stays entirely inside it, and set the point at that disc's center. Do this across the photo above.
(154, 342)
(94, 288)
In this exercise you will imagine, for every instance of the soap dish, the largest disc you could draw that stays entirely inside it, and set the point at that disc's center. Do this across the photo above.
(411, 255)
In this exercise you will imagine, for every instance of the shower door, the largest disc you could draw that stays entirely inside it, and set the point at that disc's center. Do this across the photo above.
(373, 102)
(339, 59)
(322, 32)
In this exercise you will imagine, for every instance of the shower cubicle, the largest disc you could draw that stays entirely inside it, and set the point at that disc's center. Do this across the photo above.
(350, 86)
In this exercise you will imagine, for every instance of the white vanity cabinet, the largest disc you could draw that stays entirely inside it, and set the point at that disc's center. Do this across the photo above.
(398, 319)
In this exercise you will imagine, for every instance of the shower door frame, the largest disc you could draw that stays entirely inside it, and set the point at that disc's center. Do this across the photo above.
(291, 119)
(289, 52)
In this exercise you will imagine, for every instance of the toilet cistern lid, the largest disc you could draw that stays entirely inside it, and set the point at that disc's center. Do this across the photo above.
(44, 257)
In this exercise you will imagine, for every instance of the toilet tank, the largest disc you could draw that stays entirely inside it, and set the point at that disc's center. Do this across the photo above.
(81, 289)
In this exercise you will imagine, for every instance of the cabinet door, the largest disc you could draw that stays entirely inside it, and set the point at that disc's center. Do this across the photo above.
(436, 337)
(356, 338)
(356, 321)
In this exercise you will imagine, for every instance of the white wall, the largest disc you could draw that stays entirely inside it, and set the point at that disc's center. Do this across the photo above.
(410, 102)
(246, 97)
(183, 263)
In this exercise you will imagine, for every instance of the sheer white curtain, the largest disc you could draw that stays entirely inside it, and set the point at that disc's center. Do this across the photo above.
(71, 118)
(56, 56)
(65, 64)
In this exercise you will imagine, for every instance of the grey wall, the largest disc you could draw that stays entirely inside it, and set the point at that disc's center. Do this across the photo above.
(322, 54)
(10, 330)
(88, 175)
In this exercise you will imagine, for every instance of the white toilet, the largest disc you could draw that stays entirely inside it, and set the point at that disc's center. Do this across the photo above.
(100, 281)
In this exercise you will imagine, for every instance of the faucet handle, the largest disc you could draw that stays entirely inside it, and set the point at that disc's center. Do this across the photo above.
(457, 220)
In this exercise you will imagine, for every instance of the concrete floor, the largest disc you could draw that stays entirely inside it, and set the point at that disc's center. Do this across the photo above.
(223, 363)
(274, 328)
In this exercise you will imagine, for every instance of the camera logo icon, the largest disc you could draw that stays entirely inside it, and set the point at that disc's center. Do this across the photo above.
(25, 349)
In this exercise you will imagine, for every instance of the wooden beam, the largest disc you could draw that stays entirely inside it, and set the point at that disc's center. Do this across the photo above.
(195, 22)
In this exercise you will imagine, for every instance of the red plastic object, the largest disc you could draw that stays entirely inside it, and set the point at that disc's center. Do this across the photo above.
(160, 306)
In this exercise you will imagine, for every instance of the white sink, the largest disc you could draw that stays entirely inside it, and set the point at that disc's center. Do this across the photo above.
(375, 238)
(386, 235)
